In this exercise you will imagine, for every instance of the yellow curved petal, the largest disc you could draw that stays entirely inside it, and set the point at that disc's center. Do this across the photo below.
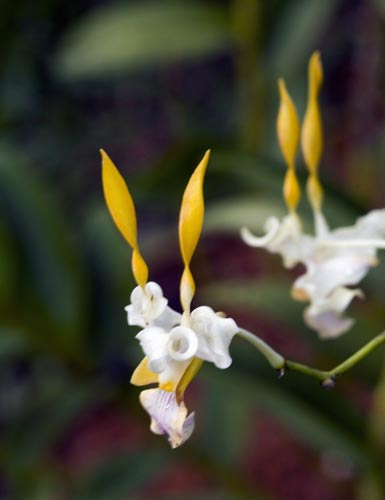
(312, 136)
(190, 226)
(122, 210)
(287, 125)
(143, 375)
(192, 369)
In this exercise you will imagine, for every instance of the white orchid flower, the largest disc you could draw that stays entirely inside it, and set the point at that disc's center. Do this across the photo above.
(334, 259)
(174, 345)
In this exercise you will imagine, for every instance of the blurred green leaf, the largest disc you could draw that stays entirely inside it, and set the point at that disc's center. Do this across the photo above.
(297, 34)
(23, 447)
(223, 414)
(380, 4)
(123, 36)
(120, 476)
(8, 267)
(12, 342)
(54, 281)
(231, 214)
(311, 426)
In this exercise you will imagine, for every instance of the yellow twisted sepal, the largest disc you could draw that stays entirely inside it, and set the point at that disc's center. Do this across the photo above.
(312, 136)
(122, 210)
(190, 226)
(192, 369)
(288, 138)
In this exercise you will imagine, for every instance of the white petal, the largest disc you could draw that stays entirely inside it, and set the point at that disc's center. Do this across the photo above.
(146, 305)
(214, 335)
(168, 319)
(182, 343)
(371, 225)
(167, 417)
(330, 272)
(153, 341)
(326, 316)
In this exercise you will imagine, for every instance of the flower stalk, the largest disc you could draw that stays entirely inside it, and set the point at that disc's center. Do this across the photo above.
(327, 378)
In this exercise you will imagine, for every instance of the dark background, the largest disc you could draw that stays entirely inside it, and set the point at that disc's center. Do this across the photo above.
(156, 83)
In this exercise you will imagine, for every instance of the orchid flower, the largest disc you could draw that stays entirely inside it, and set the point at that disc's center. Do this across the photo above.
(335, 260)
(175, 345)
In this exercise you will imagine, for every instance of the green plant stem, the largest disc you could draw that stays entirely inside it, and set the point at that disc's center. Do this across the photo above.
(360, 354)
(327, 378)
(273, 357)
(323, 376)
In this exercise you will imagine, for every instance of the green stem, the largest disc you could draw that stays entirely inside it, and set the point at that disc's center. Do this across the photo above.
(273, 357)
(324, 377)
(327, 378)
(360, 354)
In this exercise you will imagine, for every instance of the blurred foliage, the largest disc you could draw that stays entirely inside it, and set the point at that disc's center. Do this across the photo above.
(156, 83)
(137, 35)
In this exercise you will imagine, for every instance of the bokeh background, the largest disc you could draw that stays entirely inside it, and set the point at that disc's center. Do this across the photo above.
(156, 83)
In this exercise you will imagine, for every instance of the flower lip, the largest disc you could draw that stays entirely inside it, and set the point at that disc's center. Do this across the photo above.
(182, 343)
(167, 416)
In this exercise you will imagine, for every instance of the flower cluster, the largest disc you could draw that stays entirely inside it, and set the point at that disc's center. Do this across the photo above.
(335, 260)
(175, 345)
